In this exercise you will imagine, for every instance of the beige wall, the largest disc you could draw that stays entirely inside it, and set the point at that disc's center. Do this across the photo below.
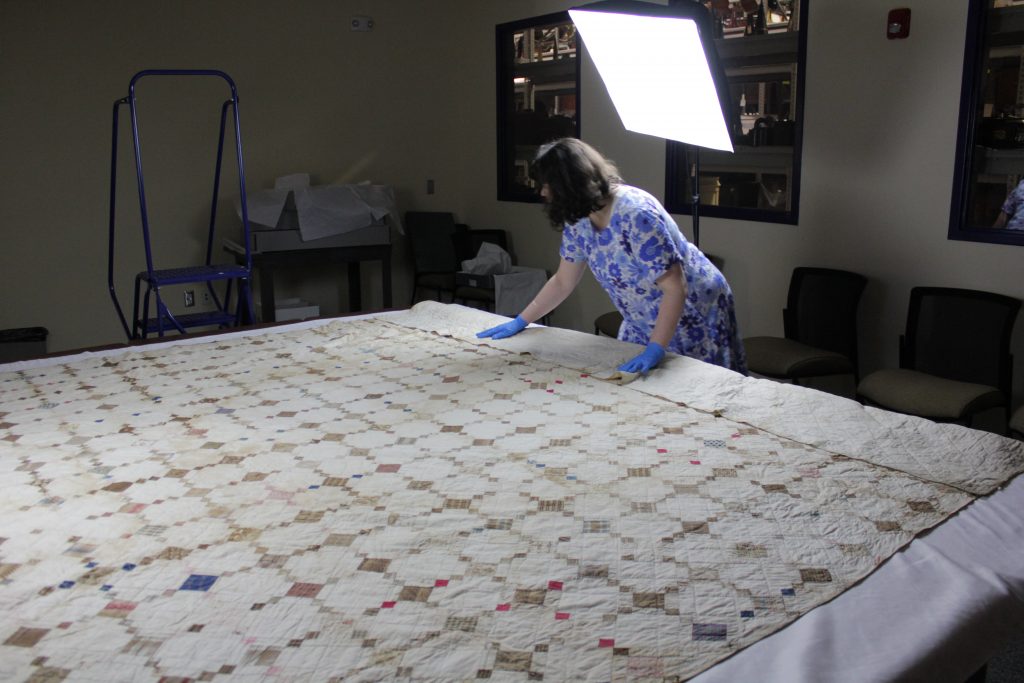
(315, 97)
(414, 99)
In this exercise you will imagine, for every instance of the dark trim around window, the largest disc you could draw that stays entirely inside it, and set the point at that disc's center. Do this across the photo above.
(678, 196)
(505, 65)
(969, 148)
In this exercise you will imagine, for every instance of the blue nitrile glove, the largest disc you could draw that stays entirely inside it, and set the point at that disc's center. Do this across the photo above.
(648, 360)
(514, 326)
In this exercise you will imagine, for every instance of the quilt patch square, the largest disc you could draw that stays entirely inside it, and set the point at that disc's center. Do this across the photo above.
(198, 582)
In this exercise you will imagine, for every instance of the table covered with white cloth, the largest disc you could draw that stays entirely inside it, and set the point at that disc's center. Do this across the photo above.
(389, 498)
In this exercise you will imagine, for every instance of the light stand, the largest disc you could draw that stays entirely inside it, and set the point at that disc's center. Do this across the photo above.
(660, 66)
(695, 187)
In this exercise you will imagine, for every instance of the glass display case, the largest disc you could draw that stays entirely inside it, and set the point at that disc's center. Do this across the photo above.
(538, 96)
(762, 48)
(988, 195)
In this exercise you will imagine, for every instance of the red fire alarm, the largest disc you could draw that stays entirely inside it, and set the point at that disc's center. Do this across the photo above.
(898, 25)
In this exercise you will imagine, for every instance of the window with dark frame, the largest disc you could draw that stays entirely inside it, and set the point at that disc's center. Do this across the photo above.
(538, 77)
(762, 48)
(988, 184)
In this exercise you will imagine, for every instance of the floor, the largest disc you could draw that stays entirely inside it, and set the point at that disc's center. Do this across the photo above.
(1009, 666)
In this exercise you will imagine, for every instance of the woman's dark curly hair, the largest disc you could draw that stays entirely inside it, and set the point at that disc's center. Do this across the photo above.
(579, 179)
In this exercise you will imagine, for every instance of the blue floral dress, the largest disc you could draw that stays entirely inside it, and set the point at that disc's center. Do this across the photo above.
(639, 245)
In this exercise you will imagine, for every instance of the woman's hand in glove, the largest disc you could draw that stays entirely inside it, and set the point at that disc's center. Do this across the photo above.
(648, 360)
(514, 326)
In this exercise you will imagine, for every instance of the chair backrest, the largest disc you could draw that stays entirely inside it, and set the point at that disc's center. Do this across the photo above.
(960, 334)
(821, 310)
(431, 235)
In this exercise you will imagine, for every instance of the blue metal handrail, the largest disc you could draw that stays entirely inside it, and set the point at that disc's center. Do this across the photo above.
(162, 312)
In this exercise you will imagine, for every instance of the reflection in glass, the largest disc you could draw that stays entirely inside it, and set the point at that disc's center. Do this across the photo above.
(988, 195)
(538, 86)
(762, 50)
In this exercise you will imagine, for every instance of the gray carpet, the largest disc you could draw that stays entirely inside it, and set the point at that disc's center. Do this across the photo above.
(1008, 667)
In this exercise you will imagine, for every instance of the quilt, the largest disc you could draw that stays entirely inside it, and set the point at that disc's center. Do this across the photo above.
(389, 499)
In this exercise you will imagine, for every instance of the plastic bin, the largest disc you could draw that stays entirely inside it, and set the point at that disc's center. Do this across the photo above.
(22, 342)
(294, 309)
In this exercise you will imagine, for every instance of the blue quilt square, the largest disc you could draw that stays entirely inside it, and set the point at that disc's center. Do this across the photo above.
(198, 582)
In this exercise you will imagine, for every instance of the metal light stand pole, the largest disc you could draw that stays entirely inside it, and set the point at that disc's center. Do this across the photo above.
(695, 188)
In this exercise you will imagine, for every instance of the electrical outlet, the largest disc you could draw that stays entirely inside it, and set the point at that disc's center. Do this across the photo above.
(361, 24)
(190, 298)
(205, 296)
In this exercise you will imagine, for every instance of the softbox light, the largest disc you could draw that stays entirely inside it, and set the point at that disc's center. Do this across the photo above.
(660, 67)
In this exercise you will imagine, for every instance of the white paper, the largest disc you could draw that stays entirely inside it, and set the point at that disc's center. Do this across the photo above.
(324, 210)
(381, 200)
(265, 207)
(330, 210)
(490, 260)
(295, 181)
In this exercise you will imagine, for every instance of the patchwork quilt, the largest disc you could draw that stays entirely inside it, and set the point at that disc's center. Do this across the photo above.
(391, 499)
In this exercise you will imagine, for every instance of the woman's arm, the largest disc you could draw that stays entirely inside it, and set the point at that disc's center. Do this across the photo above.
(555, 290)
(673, 298)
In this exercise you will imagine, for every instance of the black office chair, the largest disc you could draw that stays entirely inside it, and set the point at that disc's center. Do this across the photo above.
(820, 328)
(955, 359)
(467, 245)
(609, 323)
(431, 238)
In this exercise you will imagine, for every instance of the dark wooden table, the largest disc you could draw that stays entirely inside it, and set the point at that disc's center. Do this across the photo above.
(265, 263)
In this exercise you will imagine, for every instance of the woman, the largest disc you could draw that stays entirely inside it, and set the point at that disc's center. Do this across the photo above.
(1011, 216)
(669, 294)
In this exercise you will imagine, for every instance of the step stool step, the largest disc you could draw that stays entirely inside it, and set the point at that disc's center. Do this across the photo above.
(177, 276)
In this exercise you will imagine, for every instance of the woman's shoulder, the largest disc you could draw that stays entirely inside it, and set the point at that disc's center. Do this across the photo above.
(639, 202)
(637, 196)
(634, 198)
(575, 230)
